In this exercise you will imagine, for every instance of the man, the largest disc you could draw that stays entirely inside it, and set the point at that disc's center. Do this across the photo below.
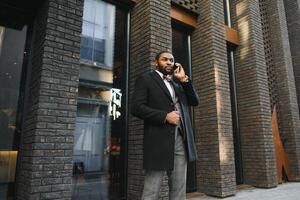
(162, 99)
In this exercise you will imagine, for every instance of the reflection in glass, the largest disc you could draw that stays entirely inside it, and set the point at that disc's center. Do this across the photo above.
(91, 146)
(99, 50)
(12, 44)
(99, 164)
(98, 32)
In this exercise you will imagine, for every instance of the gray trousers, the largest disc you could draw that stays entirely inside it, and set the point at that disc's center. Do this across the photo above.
(176, 178)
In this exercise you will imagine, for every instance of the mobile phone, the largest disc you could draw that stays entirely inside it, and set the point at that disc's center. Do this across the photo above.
(175, 66)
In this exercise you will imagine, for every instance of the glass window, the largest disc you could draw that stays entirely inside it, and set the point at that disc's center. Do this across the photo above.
(227, 13)
(97, 39)
(11, 61)
(100, 134)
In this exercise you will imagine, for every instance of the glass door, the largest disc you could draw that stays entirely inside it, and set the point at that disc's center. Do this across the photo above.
(100, 147)
(91, 150)
(12, 45)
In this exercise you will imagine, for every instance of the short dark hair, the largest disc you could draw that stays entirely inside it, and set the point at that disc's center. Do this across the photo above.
(159, 54)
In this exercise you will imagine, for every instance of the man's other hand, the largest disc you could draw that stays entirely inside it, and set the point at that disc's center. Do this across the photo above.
(173, 117)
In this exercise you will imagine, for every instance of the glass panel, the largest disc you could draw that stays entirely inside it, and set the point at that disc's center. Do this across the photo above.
(99, 49)
(88, 29)
(101, 12)
(99, 44)
(99, 150)
(110, 35)
(99, 26)
(86, 50)
(89, 11)
(11, 61)
(91, 157)
(100, 32)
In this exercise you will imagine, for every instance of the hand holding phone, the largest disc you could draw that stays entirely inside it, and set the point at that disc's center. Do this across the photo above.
(177, 68)
(178, 72)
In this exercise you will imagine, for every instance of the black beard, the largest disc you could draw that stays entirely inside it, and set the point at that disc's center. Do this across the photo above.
(163, 71)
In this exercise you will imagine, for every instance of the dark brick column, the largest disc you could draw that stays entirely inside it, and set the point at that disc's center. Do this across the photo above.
(292, 11)
(213, 123)
(253, 99)
(45, 162)
(150, 33)
(285, 83)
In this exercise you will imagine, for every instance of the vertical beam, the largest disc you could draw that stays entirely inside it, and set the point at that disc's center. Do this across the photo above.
(46, 152)
(150, 34)
(292, 10)
(285, 49)
(253, 98)
(213, 123)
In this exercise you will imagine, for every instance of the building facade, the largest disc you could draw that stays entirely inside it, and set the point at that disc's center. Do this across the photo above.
(67, 72)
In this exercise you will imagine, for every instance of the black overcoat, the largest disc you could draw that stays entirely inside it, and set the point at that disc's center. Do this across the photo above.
(151, 101)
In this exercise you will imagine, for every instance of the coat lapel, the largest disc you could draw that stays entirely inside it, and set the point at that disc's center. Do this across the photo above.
(176, 89)
(161, 83)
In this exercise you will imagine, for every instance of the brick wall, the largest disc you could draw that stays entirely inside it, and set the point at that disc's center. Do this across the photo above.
(213, 123)
(292, 8)
(292, 11)
(45, 170)
(263, 4)
(150, 34)
(253, 98)
(192, 5)
(285, 82)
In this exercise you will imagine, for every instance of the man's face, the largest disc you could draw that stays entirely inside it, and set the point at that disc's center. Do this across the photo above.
(165, 63)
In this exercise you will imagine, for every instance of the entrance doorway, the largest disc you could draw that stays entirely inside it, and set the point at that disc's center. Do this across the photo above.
(181, 49)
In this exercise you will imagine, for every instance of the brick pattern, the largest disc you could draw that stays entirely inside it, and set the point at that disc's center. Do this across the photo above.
(45, 156)
(268, 54)
(45, 165)
(292, 12)
(150, 34)
(213, 123)
(192, 5)
(285, 82)
(263, 4)
(253, 98)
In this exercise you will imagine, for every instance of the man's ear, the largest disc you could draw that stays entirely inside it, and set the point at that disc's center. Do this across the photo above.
(154, 64)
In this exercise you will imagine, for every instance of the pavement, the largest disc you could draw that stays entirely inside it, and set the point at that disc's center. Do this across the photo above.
(286, 191)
